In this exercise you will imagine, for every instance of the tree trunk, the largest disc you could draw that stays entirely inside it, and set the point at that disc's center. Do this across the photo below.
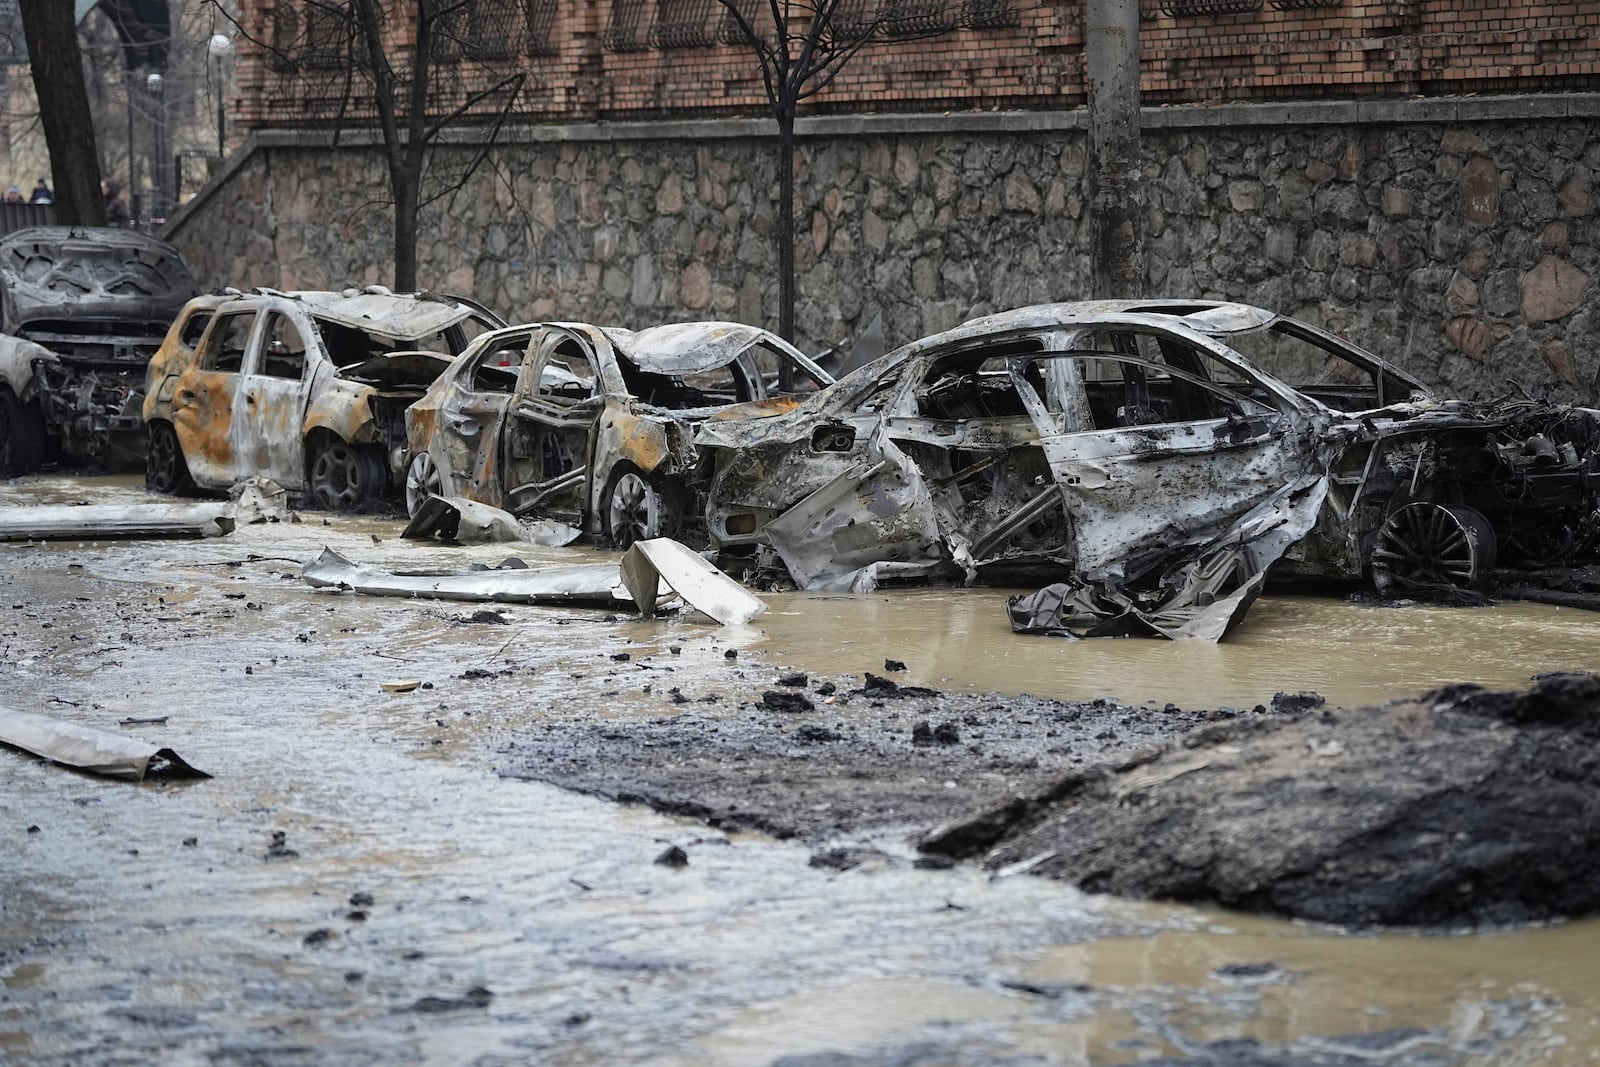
(786, 239)
(52, 38)
(1111, 48)
(407, 193)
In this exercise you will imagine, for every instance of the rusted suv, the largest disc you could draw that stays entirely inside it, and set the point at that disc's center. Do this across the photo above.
(306, 388)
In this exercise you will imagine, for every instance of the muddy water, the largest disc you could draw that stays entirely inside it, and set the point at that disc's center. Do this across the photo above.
(120, 943)
(1353, 655)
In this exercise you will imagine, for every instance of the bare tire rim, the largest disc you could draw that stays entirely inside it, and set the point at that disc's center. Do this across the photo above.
(338, 478)
(1429, 545)
(163, 459)
(634, 510)
(422, 481)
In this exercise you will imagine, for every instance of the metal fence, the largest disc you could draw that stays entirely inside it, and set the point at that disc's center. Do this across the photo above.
(17, 216)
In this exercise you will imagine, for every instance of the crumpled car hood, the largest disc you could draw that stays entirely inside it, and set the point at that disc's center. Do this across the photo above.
(53, 272)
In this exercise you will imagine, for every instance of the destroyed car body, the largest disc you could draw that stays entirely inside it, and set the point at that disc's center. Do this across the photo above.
(81, 312)
(1132, 446)
(592, 425)
(308, 389)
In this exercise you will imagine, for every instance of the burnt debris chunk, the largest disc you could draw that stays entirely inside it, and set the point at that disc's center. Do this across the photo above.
(773, 700)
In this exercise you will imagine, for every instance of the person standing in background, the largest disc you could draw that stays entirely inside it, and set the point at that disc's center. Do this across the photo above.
(42, 194)
(116, 206)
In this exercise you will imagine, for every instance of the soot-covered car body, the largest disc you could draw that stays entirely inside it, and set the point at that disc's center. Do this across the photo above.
(82, 310)
(1133, 450)
(305, 388)
(593, 425)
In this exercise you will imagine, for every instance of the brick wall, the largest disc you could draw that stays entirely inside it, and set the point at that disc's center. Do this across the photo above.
(616, 59)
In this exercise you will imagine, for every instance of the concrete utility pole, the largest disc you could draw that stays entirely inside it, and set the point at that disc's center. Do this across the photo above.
(1111, 51)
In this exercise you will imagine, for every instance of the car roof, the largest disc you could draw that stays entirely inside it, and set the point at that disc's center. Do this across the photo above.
(377, 311)
(689, 347)
(1218, 319)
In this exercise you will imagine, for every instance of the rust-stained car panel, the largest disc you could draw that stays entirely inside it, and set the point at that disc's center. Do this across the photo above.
(307, 389)
(592, 425)
(81, 312)
(1131, 450)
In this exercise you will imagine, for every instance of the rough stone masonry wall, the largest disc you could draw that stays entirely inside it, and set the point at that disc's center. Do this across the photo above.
(1466, 252)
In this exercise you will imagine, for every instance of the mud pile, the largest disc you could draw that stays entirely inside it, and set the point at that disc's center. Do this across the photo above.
(1461, 808)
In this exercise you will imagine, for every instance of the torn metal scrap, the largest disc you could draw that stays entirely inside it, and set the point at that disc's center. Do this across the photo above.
(467, 522)
(1203, 595)
(588, 583)
(89, 748)
(99, 522)
(637, 580)
(659, 560)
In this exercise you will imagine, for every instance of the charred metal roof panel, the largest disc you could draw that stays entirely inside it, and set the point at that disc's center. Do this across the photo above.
(686, 347)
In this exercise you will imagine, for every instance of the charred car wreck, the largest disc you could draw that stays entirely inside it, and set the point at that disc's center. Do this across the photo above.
(592, 425)
(1136, 456)
(81, 313)
(308, 389)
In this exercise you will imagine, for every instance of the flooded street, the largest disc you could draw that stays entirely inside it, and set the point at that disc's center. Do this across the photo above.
(421, 909)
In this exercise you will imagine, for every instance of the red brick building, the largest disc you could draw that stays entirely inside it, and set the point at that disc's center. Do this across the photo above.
(641, 59)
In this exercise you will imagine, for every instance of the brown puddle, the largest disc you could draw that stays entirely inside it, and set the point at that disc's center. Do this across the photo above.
(1353, 655)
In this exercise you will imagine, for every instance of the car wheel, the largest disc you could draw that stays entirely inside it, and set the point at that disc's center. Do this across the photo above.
(165, 468)
(1425, 545)
(637, 507)
(22, 443)
(344, 476)
(422, 481)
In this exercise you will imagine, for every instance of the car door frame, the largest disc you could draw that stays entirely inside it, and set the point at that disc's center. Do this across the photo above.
(1135, 493)
(275, 407)
(559, 416)
(475, 418)
(211, 441)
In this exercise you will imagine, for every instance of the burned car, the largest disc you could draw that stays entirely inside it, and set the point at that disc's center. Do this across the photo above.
(1132, 450)
(592, 425)
(82, 310)
(308, 389)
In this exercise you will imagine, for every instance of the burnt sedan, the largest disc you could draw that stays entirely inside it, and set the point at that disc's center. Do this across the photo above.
(82, 310)
(305, 388)
(1132, 450)
(592, 425)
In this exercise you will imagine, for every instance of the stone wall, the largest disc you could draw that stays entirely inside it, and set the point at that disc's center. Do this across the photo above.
(1462, 246)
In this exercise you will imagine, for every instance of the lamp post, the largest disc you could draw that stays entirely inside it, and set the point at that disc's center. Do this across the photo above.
(220, 45)
(153, 84)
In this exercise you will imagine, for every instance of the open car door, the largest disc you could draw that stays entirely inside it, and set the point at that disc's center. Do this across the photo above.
(549, 434)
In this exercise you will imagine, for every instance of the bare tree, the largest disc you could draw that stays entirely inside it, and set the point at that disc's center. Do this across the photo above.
(802, 46)
(52, 36)
(414, 69)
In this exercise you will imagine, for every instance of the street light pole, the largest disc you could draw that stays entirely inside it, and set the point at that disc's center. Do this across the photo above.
(220, 45)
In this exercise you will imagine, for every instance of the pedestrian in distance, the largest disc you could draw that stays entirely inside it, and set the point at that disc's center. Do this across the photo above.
(116, 206)
(13, 195)
(41, 194)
